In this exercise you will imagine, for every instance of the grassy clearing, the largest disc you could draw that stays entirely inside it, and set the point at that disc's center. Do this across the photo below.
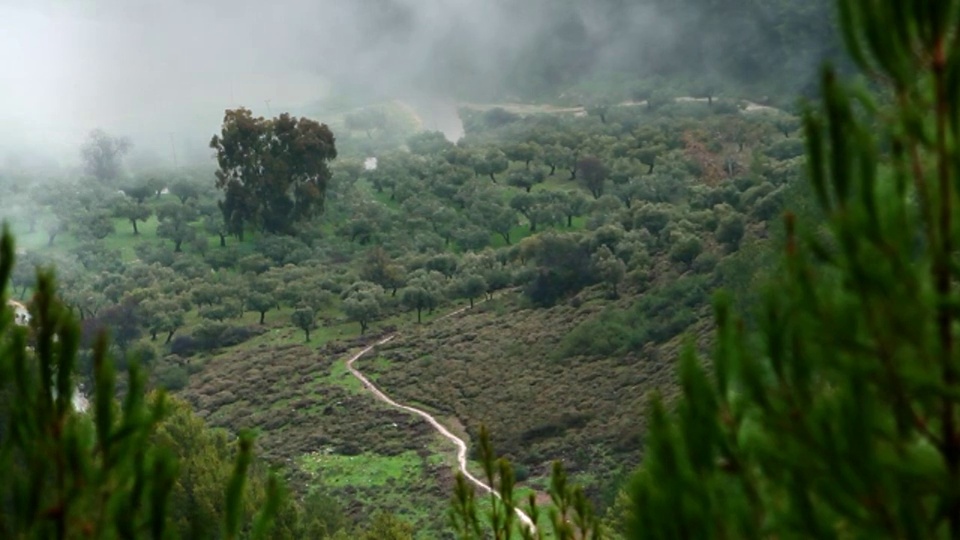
(363, 470)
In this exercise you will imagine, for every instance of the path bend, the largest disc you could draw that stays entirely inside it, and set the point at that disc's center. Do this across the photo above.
(461, 445)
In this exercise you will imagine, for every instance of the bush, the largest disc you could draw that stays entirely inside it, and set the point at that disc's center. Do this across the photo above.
(612, 332)
(184, 346)
(171, 377)
(154, 253)
(686, 250)
(705, 262)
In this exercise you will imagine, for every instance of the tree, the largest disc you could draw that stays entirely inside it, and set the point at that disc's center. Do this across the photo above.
(378, 267)
(274, 172)
(102, 155)
(786, 124)
(366, 120)
(555, 156)
(443, 263)
(54, 227)
(429, 143)
(524, 152)
(185, 190)
(648, 157)
(470, 287)
(213, 223)
(609, 268)
(418, 298)
(730, 230)
(593, 175)
(823, 421)
(686, 249)
(492, 163)
(96, 225)
(175, 224)
(139, 192)
(304, 318)
(496, 216)
(132, 212)
(526, 178)
(261, 302)
(573, 204)
(361, 303)
(163, 315)
(424, 291)
(539, 208)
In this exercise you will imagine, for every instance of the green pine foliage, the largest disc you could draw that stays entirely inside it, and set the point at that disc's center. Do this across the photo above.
(569, 516)
(838, 416)
(100, 474)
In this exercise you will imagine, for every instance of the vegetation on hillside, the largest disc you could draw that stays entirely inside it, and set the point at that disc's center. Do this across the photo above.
(605, 224)
(594, 235)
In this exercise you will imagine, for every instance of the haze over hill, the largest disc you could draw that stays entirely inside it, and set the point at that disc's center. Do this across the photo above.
(163, 72)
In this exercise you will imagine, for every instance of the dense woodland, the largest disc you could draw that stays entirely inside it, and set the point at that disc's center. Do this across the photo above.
(586, 246)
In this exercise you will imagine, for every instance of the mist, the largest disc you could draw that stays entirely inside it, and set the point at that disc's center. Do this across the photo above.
(162, 72)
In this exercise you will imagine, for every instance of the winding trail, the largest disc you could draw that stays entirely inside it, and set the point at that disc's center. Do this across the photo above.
(461, 445)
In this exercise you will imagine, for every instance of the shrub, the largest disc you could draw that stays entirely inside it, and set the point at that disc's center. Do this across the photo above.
(705, 262)
(171, 377)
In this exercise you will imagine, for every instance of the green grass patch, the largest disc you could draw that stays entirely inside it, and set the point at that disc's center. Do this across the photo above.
(364, 470)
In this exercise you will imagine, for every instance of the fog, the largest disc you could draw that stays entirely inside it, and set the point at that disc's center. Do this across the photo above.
(163, 71)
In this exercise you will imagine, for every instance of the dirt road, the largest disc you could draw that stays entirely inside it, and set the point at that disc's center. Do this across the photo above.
(461, 445)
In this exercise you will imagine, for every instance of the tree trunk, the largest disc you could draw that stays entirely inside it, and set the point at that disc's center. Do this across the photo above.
(569, 220)
(307, 332)
(170, 336)
(134, 222)
(506, 237)
(471, 302)
(50, 240)
(553, 169)
(363, 327)
(153, 335)
(223, 240)
(493, 178)
(418, 314)
(262, 315)
(177, 248)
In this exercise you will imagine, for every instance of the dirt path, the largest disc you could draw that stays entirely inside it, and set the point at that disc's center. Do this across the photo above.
(461, 445)
(527, 108)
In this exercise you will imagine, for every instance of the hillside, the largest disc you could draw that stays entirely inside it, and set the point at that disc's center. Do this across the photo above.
(598, 235)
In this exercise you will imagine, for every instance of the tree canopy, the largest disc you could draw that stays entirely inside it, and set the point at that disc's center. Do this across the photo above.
(273, 172)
